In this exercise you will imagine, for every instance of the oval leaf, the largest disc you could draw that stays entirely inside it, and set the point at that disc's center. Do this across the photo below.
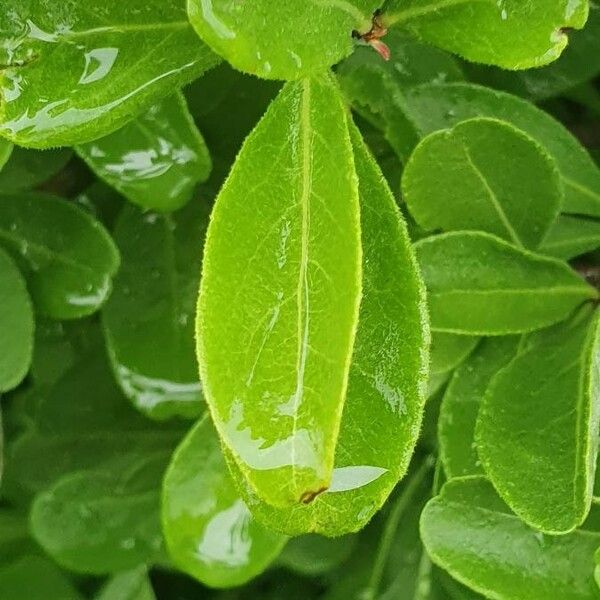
(16, 325)
(75, 72)
(283, 40)
(480, 285)
(538, 425)
(278, 310)
(386, 387)
(68, 256)
(483, 174)
(449, 350)
(128, 585)
(209, 530)
(155, 160)
(27, 169)
(513, 34)
(470, 532)
(149, 318)
(461, 402)
(571, 236)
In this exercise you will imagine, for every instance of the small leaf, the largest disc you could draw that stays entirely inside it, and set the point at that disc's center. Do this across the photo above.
(16, 325)
(209, 530)
(286, 40)
(470, 532)
(128, 585)
(571, 236)
(461, 402)
(278, 309)
(512, 34)
(68, 256)
(538, 425)
(27, 169)
(102, 521)
(35, 578)
(479, 284)
(155, 160)
(386, 386)
(75, 72)
(149, 318)
(430, 108)
(483, 174)
(449, 350)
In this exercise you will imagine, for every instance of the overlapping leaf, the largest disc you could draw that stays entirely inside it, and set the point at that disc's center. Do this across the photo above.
(278, 310)
(75, 72)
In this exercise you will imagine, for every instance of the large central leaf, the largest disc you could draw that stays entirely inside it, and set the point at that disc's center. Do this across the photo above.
(281, 288)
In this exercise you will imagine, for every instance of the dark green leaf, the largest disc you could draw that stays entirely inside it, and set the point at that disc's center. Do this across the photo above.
(461, 402)
(285, 40)
(209, 530)
(28, 168)
(128, 585)
(313, 554)
(513, 34)
(155, 160)
(479, 284)
(69, 257)
(278, 310)
(537, 429)
(486, 175)
(470, 532)
(449, 350)
(77, 71)
(16, 325)
(149, 319)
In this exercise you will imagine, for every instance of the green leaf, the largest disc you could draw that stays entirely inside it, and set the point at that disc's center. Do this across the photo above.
(449, 350)
(101, 521)
(6, 149)
(149, 318)
(75, 72)
(538, 425)
(571, 236)
(479, 284)
(209, 530)
(286, 40)
(430, 108)
(375, 87)
(16, 325)
(278, 310)
(155, 160)
(486, 175)
(470, 532)
(386, 385)
(68, 256)
(128, 585)
(512, 34)
(26, 169)
(35, 578)
(461, 402)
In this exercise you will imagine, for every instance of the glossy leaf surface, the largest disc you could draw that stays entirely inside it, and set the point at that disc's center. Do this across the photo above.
(538, 425)
(68, 256)
(462, 400)
(149, 319)
(571, 236)
(386, 386)
(286, 40)
(209, 530)
(513, 34)
(76, 72)
(128, 585)
(278, 310)
(483, 174)
(470, 532)
(16, 325)
(430, 108)
(480, 285)
(155, 160)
